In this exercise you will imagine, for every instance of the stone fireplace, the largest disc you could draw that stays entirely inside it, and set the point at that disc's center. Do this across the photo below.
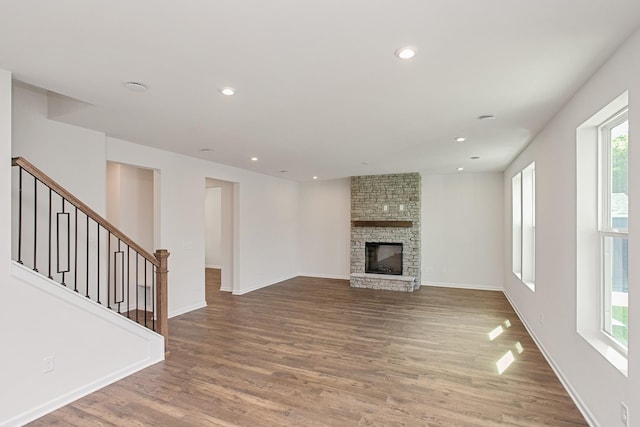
(385, 210)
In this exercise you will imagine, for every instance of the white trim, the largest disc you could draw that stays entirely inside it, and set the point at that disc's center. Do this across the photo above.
(464, 286)
(263, 285)
(223, 289)
(582, 407)
(187, 309)
(78, 393)
(325, 276)
(219, 267)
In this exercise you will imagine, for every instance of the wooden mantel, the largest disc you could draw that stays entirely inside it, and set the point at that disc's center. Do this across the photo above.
(382, 223)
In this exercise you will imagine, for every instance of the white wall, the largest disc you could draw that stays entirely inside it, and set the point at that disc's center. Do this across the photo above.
(5, 173)
(213, 227)
(73, 156)
(325, 221)
(598, 386)
(266, 219)
(130, 202)
(37, 324)
(462, 230)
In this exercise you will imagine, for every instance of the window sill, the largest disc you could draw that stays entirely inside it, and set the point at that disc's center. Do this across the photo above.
(611, 354)
(530, 285)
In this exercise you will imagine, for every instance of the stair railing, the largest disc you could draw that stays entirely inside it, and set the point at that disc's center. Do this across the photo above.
(60, 237)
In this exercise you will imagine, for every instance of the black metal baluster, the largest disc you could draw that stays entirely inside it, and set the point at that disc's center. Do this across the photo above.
(98, 261)
(115, 293)
(153, 297)
(20, 215)
(128, 282)
(109, 269)
(58, 269)
(137, 285)
(35, 224)
(75, 251)
(145, 291)
(87, 254)
(50, 230)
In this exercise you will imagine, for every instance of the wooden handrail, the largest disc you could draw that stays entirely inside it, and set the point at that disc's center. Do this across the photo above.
(41, 176)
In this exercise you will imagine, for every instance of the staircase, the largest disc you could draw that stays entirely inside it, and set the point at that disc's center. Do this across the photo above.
(58, 236)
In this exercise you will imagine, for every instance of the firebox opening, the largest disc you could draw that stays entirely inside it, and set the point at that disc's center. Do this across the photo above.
(383, 258)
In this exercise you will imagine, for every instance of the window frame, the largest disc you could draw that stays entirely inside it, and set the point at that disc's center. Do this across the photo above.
(523, 207)
(606, 230)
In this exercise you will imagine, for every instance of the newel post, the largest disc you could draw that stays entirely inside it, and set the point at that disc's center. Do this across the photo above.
(162, 312)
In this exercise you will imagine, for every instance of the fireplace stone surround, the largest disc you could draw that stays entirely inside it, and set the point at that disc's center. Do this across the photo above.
(386, 208)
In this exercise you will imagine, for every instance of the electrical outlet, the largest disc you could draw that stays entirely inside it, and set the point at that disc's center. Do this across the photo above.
(48, 364)
(624, 414)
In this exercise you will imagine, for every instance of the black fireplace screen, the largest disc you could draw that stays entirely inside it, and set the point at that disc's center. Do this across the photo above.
(383, 258)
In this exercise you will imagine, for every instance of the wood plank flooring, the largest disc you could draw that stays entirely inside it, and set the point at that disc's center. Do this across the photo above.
(314, 352)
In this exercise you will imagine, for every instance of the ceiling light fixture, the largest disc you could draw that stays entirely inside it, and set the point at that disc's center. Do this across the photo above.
(474, 157)
(460, 169)
(135, 86)
(228, 91)
(406, 52)
(461, 139)
(487, 117)
(254, 159)
(205, 150)
(315, 177)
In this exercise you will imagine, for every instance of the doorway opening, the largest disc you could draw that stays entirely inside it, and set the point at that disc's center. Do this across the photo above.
(220, 231)
(133, 206)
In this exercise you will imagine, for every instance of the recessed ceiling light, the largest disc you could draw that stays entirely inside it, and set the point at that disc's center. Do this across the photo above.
(228, 91)
(205, 150)
(487, 117)
(365, 164)
(254, 159)
(406, 52)
(460, 169)
(474, 157)
(461, 139)
(135, 86)
(283, 171)
(315, 177)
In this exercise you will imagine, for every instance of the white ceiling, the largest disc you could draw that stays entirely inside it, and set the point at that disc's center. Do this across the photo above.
(319, 90)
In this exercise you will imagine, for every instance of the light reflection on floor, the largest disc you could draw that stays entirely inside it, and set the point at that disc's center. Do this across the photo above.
(505, 361)
(508, 358)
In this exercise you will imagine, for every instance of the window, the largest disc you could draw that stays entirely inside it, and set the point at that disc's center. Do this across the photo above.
(523, 225)
(602, 202)
(613, 227)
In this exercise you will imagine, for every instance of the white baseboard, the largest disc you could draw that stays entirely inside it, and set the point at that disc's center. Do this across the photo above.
(226, 289)
(464, 286)
(187, 309)
(263, 285)
(78, 393)
(219, 267)
(325, 276)
(584, 410)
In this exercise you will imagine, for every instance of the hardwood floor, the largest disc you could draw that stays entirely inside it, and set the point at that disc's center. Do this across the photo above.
(314, 352)
(212, 278)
